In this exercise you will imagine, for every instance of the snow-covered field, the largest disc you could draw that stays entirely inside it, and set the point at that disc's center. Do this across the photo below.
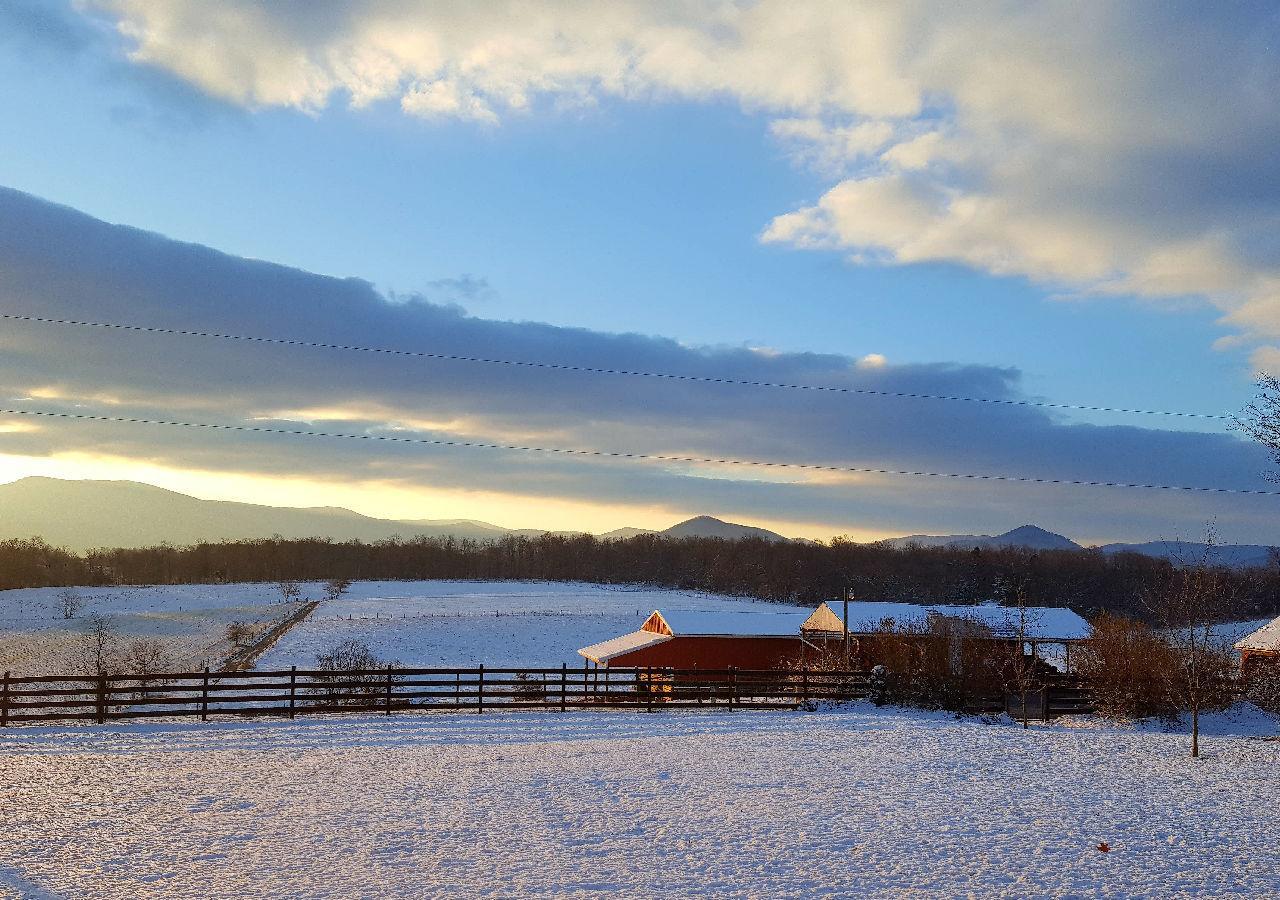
(466, 623)
(191, 620)
(854, 803)
(413, 623)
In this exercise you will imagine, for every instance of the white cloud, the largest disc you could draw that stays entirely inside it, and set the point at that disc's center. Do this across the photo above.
(1101, 149)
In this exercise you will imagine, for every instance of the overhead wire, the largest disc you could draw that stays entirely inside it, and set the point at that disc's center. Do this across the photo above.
(656, 457)
(596, 370)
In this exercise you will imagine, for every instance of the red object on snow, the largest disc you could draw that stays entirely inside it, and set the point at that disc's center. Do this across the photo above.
(1104, 847)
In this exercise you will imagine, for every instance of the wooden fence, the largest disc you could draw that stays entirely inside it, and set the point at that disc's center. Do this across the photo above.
(293, 692)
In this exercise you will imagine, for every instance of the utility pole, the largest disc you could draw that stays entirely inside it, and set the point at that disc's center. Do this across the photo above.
(848, 595)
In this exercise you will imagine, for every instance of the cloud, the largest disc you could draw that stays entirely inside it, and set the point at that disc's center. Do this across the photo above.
(1111, 149)
(56, 262)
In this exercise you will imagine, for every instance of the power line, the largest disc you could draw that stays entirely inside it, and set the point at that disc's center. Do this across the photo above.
(566, 367)
(655, 457)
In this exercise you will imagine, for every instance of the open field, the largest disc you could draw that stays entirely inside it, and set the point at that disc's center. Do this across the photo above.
(414, 623)
(859, 802)
(191, 620)
(495, 623)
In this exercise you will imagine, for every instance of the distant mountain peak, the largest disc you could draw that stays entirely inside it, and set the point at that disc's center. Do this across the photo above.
(710, 526)
(1030, 536)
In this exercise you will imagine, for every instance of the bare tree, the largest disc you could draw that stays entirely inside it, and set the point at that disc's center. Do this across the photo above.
(1189, 604)
(1020, 674)
(289, 590)
(336, 587)
(99, 647)
(1261, 418)
(147, 658)
(70, 602)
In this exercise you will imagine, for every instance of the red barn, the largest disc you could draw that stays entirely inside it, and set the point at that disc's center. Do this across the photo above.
(706, 640)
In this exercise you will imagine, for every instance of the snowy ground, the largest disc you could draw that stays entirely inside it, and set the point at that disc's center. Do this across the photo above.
(191, 619)
(1231, 632)
(466, 623)
(855, 803)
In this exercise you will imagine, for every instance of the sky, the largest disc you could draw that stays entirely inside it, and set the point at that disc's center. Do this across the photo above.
(1075, 205)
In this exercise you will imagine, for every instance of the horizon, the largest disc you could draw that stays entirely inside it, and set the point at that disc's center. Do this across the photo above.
(659, 528)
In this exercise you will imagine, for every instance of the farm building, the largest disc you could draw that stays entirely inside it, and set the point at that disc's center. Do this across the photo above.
(1051, 629)
(1043, 623)
(1260, 648)
(772, 640)
(706, 640)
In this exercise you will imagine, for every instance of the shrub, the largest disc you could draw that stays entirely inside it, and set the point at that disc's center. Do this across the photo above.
(240, 634)
(355, 678)
(1136, 673)
(146, 658)
(1262, 687)
(70, 603)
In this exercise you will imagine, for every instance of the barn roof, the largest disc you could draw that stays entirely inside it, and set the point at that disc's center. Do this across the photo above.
(735, 624)
(1044, 623)
(636, 640)
(1265, 638)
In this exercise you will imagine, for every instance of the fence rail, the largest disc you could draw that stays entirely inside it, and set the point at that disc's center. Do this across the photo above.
(293, 692)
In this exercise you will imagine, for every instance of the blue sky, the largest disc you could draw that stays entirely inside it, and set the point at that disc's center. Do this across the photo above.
(661, 205)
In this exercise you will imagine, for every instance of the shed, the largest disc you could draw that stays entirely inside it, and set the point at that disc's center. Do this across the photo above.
(1054, 626)
(1260, 647)
(1046, 624)
(688, 639)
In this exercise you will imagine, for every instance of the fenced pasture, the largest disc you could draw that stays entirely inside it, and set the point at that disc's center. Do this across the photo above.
(295, 692)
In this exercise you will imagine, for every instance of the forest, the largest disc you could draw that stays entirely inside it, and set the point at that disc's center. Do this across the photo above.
(794, 572)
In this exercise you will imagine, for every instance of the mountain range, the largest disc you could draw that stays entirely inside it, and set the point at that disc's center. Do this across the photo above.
(81, 515)
(1036, 538)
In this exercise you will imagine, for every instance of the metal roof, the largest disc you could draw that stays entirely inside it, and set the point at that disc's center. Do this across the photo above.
(735, 624)
(636, 640)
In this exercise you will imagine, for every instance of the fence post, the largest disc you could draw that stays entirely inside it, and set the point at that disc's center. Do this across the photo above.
(204, 697)
(293, 689)
(564, 684)
(804, 685)
(480, 691)
(102, 697)
(457, 690)
(733, 685)
(389, 690)
(4, 702)
(648, 684)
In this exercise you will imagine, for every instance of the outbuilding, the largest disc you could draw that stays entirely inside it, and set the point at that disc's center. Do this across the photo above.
(682, 639)
(1261, 648)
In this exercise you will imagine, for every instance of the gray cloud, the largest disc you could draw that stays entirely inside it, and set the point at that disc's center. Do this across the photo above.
(56, 262)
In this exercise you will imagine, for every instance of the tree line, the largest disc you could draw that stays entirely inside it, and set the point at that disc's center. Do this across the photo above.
(1087, 581)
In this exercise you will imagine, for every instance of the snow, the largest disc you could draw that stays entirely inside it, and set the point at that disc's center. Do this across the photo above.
(468, 623)
(190, 619)
(1265, 638)
(636, 640)
(635, 806)
(1042, 622)
(735, 622)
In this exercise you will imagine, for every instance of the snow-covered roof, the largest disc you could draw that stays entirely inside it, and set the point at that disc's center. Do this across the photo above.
(863, 615)
(1043, 622)
(1265, 638)
(738, 624)
(636, 640)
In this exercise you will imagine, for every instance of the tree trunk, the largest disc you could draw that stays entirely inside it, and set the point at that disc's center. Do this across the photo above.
(1195, 729)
